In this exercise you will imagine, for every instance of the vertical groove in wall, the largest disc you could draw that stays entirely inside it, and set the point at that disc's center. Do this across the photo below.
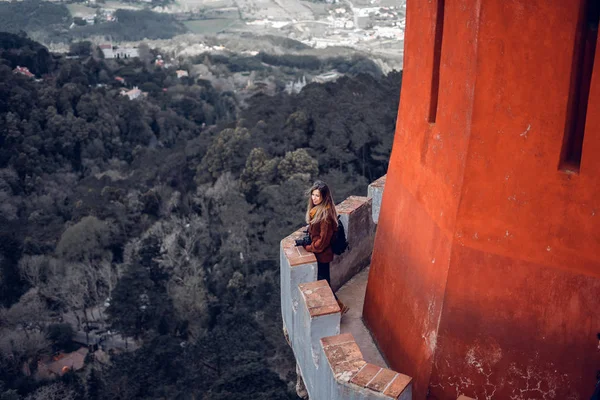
(581, 77)
(437, 55)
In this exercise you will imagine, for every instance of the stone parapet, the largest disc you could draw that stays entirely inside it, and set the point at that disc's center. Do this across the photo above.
(331, 364)
(368, 380)
(355, 214)
(296, 266)
(375, 192)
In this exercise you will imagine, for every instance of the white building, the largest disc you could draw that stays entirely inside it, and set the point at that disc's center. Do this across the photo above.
(133, 93)
(327, 77)
(294, 87)
(118, 52)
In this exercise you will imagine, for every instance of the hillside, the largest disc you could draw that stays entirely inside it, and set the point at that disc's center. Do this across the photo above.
(160, 218)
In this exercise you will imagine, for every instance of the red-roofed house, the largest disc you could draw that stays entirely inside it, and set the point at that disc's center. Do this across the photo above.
(63, 363)
(23, 71)
(133, 93)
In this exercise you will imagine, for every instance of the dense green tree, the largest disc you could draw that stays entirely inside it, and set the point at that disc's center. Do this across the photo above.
(60, 334)
(227, 152)
(9, 394)
(283, 207)
(299, 164)
(94, 386)
(260, 171)
(82, 49)
(86, 240)
(138, 302)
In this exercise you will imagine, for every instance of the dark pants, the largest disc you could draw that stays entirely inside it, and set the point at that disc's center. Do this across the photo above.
(323, 273)
(596, 395)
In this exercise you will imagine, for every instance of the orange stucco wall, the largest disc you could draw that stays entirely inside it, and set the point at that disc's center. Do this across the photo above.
(485, 275)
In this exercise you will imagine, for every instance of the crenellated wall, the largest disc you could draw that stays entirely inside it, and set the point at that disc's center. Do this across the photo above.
(331, 364)
(357, 217)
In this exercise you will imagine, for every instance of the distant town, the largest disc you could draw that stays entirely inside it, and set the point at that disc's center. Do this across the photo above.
(372, 26)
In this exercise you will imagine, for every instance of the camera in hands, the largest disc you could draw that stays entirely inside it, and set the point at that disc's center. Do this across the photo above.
(304, 241)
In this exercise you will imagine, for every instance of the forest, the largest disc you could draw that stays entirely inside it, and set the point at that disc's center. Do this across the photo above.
(163, 215)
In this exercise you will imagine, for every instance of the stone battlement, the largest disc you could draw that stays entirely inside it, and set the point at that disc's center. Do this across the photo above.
(331, 364)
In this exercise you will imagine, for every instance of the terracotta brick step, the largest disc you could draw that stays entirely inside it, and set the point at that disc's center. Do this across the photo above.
(343, 355)
(348, 365)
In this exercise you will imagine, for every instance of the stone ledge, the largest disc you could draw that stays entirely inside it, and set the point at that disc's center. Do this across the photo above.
(383, 380)
(351, 204)
(343, 355)
(319, 298)
(378, 183)
(355, 215)
(349, 372)
(348, 366)
(296, 255)
(375, 192)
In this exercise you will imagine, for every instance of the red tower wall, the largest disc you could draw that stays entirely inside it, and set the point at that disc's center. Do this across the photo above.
(485, 276)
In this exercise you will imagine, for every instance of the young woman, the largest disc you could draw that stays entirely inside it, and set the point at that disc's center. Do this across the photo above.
(321, 217)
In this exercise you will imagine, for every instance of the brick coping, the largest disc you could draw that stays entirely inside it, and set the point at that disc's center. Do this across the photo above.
(319, 298)
(343, 354)
(379, 183)
(351, 204)
(296, 255)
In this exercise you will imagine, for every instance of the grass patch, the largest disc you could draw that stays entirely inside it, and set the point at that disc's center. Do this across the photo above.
(209, 26)
(123, 6)
(77, 10)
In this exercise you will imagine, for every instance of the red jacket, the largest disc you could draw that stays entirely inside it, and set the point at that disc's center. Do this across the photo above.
(321, 233)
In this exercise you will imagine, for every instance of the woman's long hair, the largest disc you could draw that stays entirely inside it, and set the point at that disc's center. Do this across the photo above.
(325, 210)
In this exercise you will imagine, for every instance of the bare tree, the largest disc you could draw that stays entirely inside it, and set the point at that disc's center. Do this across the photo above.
(144, 53)
(107, 277)
(182, 242)
(55, 391)
(183, 252)
(234, 211)
(75, 285)
(30, 313)
(32, 269)
(19, 345)
(189, 297)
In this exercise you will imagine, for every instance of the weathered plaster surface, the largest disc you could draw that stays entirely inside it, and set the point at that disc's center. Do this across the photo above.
(356, 215)
(331, 364)
(375, 192)
(489, 248)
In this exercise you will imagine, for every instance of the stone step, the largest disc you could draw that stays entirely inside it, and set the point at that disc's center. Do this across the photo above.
(332, 366)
